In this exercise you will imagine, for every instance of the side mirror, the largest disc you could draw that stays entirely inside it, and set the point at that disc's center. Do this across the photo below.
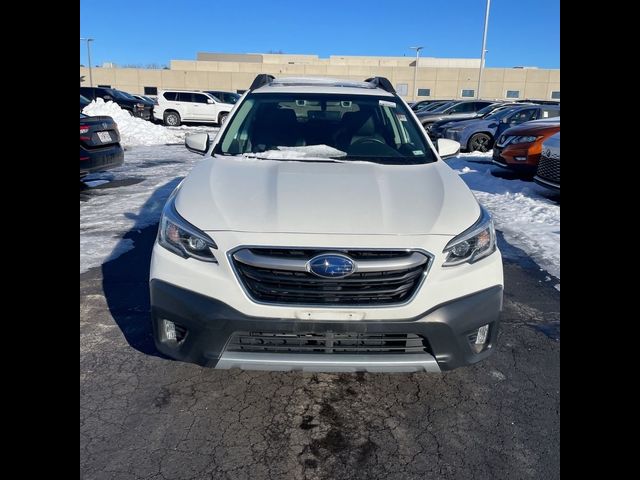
(447, 148)
(209, 101)
(197, 143)
(505, 120)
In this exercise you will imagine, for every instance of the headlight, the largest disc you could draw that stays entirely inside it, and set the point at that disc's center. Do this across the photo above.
(180, 237)
(524, 139)
(476, 242)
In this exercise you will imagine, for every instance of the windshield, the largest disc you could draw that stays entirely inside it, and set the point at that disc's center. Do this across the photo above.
(339, 127)
(503, 112)
(442, 107)
(230, 97)
(125, 95)
(431, 107)
(489, 109)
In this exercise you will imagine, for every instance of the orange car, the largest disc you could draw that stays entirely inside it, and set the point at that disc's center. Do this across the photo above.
(519, 148)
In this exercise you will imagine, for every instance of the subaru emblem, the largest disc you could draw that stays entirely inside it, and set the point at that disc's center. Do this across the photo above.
(331, 265)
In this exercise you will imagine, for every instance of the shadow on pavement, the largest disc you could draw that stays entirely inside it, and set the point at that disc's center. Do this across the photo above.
(125, 278)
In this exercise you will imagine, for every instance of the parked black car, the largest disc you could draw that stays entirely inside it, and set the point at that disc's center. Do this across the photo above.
(461, 109)
(84, 101)
(126, 101)
(100, 147)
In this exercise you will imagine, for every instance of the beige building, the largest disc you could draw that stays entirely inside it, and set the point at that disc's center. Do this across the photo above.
(436, 77)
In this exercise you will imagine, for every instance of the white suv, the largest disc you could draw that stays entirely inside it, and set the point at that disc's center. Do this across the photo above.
(177, 106)
(324, 232)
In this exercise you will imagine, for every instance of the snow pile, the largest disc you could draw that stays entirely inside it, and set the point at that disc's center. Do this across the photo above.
(133, 130)
(521, 210)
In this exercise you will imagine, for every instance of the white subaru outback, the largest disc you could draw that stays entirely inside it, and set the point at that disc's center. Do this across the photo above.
(324, 232)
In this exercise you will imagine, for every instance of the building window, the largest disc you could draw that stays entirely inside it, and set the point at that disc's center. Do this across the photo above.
(151, 90)
(555, 95)
(424, 92)
(513, 93)
(468, 93)
(104, 86)
(402, 89)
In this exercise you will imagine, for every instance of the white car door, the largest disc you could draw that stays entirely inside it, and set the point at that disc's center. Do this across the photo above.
(184, 104)
(205, 111)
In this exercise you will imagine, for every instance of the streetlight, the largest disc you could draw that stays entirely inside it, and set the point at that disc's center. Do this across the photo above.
(89, 55)
(415, 73)
(484, 46)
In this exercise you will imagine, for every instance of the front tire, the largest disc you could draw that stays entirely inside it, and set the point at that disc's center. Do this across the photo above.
(222, 117)
(172, 119)
(480, 142)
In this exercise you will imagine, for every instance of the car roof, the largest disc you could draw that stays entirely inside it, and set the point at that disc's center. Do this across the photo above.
(321, 85)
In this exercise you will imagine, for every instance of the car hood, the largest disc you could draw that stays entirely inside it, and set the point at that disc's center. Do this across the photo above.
(252, 195)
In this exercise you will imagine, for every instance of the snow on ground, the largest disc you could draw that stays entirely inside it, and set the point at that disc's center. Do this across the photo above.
(521, 210)
(131, 197)
(125, 202)
(133, 130)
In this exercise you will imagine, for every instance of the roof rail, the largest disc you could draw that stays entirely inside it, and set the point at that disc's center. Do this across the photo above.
(261, 80)
(383, 83)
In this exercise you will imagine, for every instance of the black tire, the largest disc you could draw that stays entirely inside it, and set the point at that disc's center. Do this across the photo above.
(480, 142)
(222, 117)
(172, 119)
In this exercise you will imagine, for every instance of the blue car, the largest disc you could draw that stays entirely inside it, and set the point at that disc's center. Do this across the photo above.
(479, 134)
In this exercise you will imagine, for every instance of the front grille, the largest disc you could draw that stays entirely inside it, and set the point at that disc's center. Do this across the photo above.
(288, 285)
(549, 169)
(327, 342)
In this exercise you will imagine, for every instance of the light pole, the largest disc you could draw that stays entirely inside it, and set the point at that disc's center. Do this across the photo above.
(89, 55)
(484, 46)
(415, 73)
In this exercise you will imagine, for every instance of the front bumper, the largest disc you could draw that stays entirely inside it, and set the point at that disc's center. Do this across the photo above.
(506, 158)
(210, 324)
(545, 182)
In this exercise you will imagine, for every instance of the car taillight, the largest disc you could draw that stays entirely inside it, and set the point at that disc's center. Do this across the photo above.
(83, 129)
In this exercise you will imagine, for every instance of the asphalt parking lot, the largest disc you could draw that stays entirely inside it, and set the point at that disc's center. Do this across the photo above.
(147, 417)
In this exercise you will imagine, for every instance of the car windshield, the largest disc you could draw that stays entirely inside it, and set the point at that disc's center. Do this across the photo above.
(319, 127)
(430, 107)
(488, 109)
(125, 95)
(442, 107)
(503, 112)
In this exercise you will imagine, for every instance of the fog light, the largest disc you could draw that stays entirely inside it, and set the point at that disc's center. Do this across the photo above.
(520, 159)
(169, 330)
(482, 335)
